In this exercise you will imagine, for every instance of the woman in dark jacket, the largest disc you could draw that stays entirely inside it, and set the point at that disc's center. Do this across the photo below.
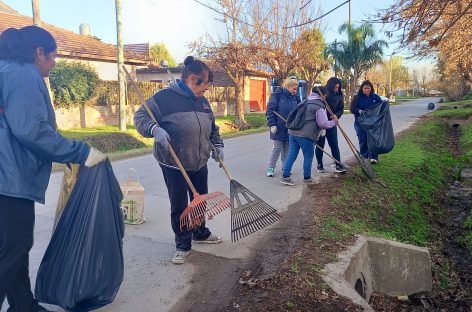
(282, 101)
(335, 101)
(364, 99)
(29, 143)
(187, 121)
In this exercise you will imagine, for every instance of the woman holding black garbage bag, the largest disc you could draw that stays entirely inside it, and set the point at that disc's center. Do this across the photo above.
(29, 144)
(364, 99)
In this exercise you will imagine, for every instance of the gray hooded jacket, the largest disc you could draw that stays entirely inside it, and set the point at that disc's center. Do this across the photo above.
(188, 120)
(310, 130)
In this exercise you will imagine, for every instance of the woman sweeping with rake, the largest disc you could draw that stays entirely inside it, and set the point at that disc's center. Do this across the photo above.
(186, 120)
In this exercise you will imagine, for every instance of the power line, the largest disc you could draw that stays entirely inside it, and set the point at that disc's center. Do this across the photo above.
(223, 13)
(315, 19)
(303, 6)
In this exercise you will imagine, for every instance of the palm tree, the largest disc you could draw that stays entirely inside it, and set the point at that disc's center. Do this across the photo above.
(358, 54)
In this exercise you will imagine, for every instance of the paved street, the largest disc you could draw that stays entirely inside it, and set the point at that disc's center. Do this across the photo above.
(152, 282)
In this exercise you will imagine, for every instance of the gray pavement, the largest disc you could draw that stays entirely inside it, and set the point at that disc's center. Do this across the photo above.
(152, 282)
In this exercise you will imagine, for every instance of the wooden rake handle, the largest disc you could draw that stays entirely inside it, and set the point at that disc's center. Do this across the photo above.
(349, 142)
(222, 164)
(171, 149)
(317, 146)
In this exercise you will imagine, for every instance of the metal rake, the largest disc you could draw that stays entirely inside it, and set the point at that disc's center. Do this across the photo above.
(249, 213)
(363, 162)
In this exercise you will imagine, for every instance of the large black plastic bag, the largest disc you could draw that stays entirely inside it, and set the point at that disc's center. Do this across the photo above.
(83, 267)
(377, 123)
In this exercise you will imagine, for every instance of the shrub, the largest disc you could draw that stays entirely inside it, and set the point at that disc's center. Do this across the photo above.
(72, 83)
(107, 92)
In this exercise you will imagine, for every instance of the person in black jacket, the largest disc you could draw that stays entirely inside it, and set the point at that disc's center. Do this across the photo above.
(335, 101)
(282, 101)
(186, 120)
(365, 98)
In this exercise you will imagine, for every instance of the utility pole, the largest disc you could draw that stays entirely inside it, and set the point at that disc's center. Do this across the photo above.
(390, 78)
(121, 76)
(36, 16)
(349, 12)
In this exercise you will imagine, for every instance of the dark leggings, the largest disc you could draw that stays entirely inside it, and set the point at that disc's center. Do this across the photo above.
(332, 137)
(179, 194)
(16, 240)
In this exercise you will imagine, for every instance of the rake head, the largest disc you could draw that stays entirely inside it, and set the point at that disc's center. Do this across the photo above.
(203, 207)
(366, 167)
(249, 213)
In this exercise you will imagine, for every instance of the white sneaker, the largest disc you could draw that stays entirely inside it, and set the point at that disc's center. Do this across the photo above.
(180, 257)
(212, 239)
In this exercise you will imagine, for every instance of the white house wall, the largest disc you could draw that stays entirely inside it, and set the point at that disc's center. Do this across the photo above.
(105, 70)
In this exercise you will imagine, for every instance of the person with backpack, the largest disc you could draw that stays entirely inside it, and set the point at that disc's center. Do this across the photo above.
(282, 101)
(335, 100)
(364, 99)
(29, 143)
(305, 124)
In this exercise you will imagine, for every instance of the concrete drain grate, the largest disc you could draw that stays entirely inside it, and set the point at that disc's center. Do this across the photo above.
(379, 265)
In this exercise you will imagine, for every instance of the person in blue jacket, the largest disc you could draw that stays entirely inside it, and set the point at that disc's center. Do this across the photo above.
(29, 143)
(364, 99)
(282, 101)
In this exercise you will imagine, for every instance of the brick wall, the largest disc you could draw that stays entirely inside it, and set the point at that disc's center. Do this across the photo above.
(97, 116)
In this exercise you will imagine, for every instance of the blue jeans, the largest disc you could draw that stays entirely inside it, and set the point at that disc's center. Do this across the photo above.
(294, 145)
(332, 137)
(363, 147)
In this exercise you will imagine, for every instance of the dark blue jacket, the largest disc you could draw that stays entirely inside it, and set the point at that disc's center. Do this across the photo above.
(29, 141)
(283, 102)
(361, 101)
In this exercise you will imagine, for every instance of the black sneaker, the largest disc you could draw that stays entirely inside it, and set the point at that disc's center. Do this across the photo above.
(340, 169)
(320, 168)
(287, 181)
(374, 161)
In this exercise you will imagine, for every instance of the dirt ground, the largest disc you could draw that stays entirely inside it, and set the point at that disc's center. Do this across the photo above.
(283, 274)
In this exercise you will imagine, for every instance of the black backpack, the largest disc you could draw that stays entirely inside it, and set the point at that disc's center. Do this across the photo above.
(296, 118)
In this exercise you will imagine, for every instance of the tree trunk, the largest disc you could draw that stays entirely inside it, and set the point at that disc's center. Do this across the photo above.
(241, 123)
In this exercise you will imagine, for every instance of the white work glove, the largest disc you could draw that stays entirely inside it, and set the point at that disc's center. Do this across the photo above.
(161, 137)
(322, 133)
(273, 129)
(219, 154)
(94, 158)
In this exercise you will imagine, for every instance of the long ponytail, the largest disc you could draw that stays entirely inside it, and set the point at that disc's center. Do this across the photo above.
(20, 45)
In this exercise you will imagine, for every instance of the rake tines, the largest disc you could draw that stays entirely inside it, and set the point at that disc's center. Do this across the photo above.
(249, 213)
(203, 207)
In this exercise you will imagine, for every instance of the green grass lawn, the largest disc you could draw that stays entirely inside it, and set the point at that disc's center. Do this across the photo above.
(416, 174)
(111, 140)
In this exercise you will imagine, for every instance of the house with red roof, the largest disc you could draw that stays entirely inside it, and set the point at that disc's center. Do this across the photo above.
(82, 46)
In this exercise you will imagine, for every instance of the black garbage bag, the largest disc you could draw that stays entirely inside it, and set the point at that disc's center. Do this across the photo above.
(377, 124)
(83, 267)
